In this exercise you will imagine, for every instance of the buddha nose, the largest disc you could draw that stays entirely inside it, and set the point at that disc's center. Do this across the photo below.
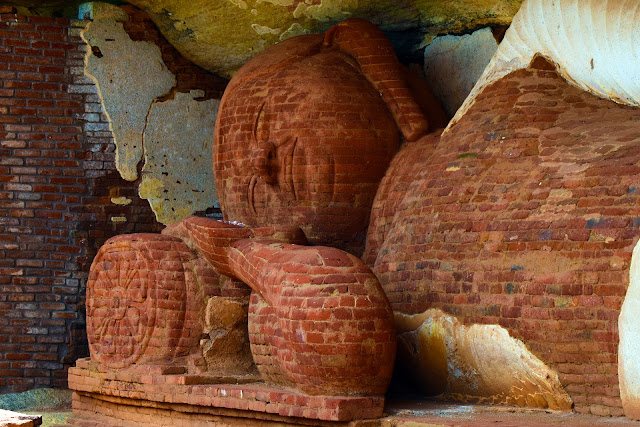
(264, 162)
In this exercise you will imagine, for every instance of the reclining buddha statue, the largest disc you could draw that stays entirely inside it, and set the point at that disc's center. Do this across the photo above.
(509, 236)
(304, 134)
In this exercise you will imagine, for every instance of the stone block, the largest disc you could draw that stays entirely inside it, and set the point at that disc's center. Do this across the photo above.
(453, 64)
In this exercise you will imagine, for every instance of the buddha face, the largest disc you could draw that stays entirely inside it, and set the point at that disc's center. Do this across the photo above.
(303, 141)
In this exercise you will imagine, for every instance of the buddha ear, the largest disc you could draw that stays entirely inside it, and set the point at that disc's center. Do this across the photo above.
(374, 53)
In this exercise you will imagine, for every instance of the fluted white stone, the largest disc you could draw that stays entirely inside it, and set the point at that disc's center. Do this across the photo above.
(629, 347)
(594, 43)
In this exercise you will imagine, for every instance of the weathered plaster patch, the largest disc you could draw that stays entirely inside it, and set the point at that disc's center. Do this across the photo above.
(129, 76)
(283, 3)
(239, 3)
(225, 343)
(177, 177)
(326, 10)
(123, 201)
(218, 35)
(101, 10)
(475, 363)
(453, 64)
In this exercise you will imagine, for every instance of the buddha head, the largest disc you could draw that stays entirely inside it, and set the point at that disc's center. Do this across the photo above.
(306, 130)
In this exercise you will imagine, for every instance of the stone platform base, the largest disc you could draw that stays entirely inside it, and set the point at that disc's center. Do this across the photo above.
(154, 395)
(15, 419)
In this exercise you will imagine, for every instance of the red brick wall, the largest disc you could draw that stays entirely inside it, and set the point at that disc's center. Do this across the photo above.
(525, 215)
(57, 178)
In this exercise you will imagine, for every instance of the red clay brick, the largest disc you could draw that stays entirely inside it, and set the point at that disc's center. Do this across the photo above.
(562, 265)
(35, 56)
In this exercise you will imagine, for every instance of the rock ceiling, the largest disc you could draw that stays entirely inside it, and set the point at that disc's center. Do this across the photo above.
(220, 35)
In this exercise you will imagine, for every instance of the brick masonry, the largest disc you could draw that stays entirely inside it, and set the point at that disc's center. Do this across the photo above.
(524, 215)
(472, 240)
(303, 137)
(57, 179)
(176, 395)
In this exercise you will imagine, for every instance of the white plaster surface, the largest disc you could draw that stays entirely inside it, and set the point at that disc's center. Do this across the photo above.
(629, 347)
(130, 76)
(177, 177)
(595, 43)
(453, 64)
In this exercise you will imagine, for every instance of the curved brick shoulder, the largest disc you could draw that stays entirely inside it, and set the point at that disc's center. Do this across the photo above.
(514, 213)
(379, 63)
(319, 319)
(211, 238)
(401, 182)
(145, 300)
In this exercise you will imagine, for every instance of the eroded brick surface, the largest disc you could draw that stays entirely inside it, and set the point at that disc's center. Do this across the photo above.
(197, 395)
(57, 186)
(318, 319)
(524, 216)
(303, 136)
(145, 300)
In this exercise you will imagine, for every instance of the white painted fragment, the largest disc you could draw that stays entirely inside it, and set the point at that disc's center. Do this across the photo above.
(177, 177)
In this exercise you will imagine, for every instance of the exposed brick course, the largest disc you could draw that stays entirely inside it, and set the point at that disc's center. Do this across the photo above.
(57, 181)
(525, 216)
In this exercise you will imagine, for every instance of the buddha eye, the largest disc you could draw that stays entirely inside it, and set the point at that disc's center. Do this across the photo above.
(268, 150)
